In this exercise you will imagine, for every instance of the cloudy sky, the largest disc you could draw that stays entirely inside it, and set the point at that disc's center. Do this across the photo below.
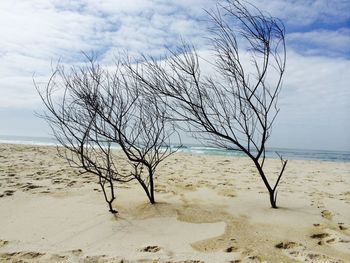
(315, 101)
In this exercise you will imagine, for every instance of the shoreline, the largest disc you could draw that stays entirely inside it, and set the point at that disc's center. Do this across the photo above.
(224, 153)
(55, 215)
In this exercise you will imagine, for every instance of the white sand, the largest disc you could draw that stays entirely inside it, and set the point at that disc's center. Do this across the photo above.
(209, 208)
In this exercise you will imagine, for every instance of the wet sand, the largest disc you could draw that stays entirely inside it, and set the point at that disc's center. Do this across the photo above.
(209, 209)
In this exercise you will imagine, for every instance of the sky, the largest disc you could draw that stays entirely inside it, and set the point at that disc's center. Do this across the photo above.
(314, 102)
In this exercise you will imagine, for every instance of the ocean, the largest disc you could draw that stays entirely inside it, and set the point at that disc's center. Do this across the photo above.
(290, 154)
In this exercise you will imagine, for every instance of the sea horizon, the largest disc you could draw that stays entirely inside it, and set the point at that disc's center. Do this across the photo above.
(286, 153)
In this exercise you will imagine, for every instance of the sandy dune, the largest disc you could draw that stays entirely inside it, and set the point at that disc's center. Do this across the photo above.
(209, 209)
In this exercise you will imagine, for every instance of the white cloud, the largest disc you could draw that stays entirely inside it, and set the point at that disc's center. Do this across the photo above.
(317, 86)
(322, 42)
(44, 32)
(36, 32)
(315, 104)
(306, 12)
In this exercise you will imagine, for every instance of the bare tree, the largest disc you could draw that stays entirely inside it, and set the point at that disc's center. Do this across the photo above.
(73, 126)
(90, 110)
(138, 123)
(236, 106)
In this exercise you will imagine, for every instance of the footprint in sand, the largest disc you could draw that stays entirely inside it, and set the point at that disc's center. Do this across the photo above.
(342, 227)
(59, 258)
(320, 258)
(152, 249)
(299, 252)
(191, 261)
(319, 236)
(9, 192)
(21, 256)
(77, 252)
(231, 249)
(31, 255)
(253, 259)
(327, 214)
(287, 245)
(334, 234)
(3, 242)
(30, 186)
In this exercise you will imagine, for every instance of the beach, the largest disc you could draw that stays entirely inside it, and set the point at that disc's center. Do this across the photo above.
(208, 209)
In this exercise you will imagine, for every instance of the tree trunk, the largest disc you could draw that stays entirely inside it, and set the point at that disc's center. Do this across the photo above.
(111, 209)
(151, 186)
(149, 193)
(267, 185)
(150, 189)
(273, 199)
(109, 201)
